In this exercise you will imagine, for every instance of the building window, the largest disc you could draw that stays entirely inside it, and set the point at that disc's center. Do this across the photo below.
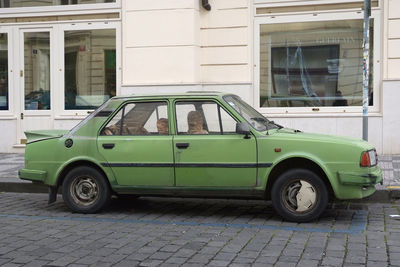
(3, 72)
(24, 3)
(90, 68)
(313, 64)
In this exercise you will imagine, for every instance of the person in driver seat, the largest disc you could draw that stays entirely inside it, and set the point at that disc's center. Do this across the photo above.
(195, 123)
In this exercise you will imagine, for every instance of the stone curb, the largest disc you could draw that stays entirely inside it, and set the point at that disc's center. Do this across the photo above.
(381, 195)
(23, 187)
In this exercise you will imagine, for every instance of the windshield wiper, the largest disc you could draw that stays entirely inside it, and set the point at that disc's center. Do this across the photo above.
(277, 125)
(267, 122)
(259, 119)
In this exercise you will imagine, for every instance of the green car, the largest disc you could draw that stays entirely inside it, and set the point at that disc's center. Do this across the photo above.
(197, 144)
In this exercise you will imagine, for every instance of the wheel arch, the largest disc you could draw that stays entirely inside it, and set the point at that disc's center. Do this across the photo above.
(76, 163)
(297, 163)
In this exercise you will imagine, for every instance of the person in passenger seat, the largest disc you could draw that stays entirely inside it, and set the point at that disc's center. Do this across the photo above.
(195, 123)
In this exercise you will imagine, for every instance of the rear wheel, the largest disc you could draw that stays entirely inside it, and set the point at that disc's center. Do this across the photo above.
(299, 195)
(85, 190)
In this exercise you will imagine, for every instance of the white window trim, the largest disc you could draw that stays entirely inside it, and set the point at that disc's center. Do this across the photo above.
(10, 53)
(59, 10)
(315, 17)
(287, 3)
(59, 104)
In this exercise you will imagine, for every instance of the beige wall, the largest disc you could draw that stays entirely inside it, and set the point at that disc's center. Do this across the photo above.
(392, 10)
(160, 42)
(225, 39)
(178, 42)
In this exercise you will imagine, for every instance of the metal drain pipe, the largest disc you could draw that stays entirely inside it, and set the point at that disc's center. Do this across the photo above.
(206, 5)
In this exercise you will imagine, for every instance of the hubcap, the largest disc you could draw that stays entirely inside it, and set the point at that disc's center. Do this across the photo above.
(84, 190)
(299, 196)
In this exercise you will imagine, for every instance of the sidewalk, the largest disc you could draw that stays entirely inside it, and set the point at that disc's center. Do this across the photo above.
(11, 163)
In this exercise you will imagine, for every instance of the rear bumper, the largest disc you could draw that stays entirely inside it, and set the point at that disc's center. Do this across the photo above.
(32, 175)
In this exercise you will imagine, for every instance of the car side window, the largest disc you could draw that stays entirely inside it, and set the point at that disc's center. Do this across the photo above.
(203, 117)
(142, 118)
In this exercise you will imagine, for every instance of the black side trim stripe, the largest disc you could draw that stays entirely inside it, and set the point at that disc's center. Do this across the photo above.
(188, 165)
(264, 165)
(137, 164)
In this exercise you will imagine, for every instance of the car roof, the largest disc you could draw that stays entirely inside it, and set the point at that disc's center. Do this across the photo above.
(173, 95)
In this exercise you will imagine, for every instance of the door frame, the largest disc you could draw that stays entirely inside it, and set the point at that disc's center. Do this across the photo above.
(19, 32)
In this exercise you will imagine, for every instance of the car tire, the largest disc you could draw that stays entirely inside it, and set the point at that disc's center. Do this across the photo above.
(299, 195)
(85, 190)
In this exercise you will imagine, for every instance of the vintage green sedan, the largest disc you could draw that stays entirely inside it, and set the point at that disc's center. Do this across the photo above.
(197, 144)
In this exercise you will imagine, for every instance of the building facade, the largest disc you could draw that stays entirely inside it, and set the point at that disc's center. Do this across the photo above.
(299, 62)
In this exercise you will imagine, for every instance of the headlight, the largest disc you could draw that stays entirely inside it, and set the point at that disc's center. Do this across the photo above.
(372, 157)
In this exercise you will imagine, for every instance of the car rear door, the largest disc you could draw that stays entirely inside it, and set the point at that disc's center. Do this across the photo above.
(137, 153)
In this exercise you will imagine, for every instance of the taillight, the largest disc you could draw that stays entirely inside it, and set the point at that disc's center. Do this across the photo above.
(365, 160)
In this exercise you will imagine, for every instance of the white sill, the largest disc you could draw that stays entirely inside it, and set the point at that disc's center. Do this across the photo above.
(321, 115)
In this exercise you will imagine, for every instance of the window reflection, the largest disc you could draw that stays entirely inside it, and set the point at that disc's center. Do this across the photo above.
(90, 68)
(37, 70)
(28, 3)
(312, 64)
(3, 72)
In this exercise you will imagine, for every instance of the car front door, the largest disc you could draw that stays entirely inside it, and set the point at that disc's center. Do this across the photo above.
(137, 146)
(208, 151)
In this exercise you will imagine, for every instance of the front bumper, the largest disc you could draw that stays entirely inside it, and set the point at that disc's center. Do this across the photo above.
(32, 175)
(363, 179)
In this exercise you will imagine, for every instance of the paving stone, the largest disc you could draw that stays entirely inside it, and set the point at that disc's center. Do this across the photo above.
(308, 263)
(377, 257)
(150, 263)
(219, 263)
(331, 261)
(36, 263)
(127, 263)
(378, 264)
(285, 264)
(176, 260)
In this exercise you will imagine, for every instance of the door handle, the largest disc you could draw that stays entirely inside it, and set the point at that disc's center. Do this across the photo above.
(182, 145)
(108, 146)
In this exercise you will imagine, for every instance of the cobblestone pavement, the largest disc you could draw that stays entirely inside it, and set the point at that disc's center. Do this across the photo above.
(193, 232)
(11, 163)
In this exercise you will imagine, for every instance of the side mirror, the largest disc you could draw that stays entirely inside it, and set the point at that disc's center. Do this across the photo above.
(243, 128)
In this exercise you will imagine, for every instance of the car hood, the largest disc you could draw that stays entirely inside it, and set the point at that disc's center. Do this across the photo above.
(33, 136)
(295, 134)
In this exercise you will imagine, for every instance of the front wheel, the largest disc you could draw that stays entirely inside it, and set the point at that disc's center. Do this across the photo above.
(299, 195)
(85, 190)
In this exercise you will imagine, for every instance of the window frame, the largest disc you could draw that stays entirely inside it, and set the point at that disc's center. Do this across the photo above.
(7, 113)
(123, 105)
(12, 12)
(59, 102)
(219, 105)
(319, 17)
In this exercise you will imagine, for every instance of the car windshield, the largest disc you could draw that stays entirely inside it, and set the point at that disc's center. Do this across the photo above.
(252, 116)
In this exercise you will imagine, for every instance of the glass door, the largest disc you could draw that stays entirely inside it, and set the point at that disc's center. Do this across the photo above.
(35, 80)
